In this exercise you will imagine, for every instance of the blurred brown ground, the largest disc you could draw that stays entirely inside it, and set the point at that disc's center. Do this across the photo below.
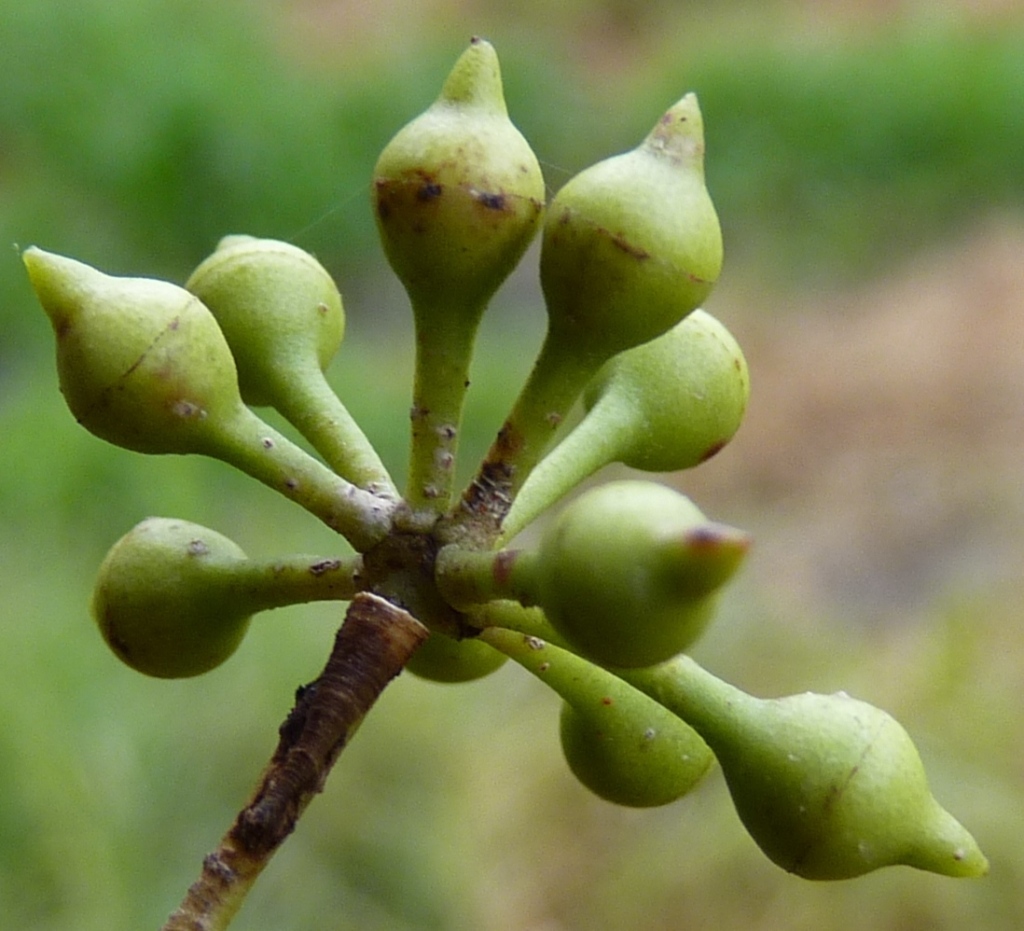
(880, 459)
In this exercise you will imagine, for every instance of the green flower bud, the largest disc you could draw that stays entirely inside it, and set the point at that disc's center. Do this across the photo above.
(278, 308)
(444, 659)
(142, 363)
(622, 745)
(627, 573)
(282, 315)
(632, 244)
(674, 402)
(458, 193)
(174, 599)
(662, 406)
(163, 599)
(828, 786)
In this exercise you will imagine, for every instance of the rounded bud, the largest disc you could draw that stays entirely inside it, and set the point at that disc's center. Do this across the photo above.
(632, 244)
(164, 599)
(444, 659)
(675, 401)
(627, 573)
(641, 760)
(458, 193)
(278, 308)
(142, 363)
(620, 743)
(665, 405)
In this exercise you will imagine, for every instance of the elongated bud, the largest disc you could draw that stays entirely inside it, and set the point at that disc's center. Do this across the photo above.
(828, 786)
(622, 745)
(142, 363)
(632, 244)
(458, 193)
(662, 406)
(627, 573)
(282, 315)
(174, 599)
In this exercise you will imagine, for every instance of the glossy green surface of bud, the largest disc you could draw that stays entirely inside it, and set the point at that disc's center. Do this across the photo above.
(632, 244)
(279, 309)
(444, 659)
(142, 363)
(165, 601)
(627, 573)
(829, 786)
(458, 193)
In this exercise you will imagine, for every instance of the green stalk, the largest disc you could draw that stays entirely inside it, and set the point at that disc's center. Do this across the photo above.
(294, 579)
(597, 440)
(252, 446)
(559, 376)
(309, 403)
(444, 351)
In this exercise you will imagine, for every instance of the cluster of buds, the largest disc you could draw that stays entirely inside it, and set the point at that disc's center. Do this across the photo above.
(621, 581)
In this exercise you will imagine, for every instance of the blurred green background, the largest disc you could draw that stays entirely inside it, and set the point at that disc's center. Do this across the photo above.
(866, 159)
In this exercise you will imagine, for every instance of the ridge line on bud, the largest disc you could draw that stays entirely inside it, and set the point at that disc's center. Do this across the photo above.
(828, 786)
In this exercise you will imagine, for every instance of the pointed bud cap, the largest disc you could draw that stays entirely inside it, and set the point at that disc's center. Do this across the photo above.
(142, 363)
(835, 789)
(458, 193)
(628, 572)
(632, 244)
(830, 787)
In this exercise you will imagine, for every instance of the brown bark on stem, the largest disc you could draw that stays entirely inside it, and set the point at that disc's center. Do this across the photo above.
(370, 649)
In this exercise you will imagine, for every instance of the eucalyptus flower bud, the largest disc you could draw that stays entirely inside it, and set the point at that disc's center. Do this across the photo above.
(458, 193)
(160, 602)
(142, 363)
(174, 599)
(279, 310)
(443, 659)
(662, 406)
(628, 572)
(632, 244)
(622, 745)
(282, 316)
(630, 247)
(828, 786)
